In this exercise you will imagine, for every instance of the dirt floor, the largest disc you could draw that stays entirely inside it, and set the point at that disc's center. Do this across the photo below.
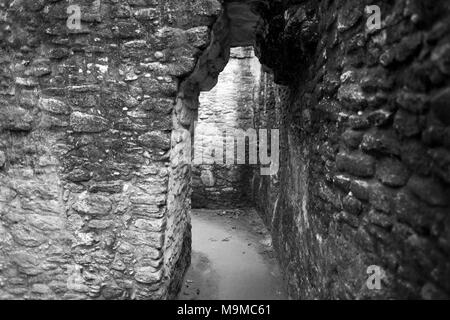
(232, 258)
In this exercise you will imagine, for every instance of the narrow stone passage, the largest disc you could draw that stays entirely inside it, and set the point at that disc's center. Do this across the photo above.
(232, 258)
(118, 117)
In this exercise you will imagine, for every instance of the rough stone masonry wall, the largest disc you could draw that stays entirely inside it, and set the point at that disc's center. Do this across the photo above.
(365, 154)
(229, 106)
(85, 129)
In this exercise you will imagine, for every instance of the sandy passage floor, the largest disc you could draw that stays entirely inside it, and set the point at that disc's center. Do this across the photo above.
(232, 258)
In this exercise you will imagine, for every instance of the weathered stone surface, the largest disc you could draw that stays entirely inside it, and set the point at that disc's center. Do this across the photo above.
(54, 106)
(28, 236)
(41, 289)
(79, 175)
(155, 140)
(441, 163)
(45, 223)
(440, 57)
(153, 225)
(92, 204)
(440, 105)
(148, 275)
(111, 292)
(413, 102)
(381, 141)
(380, 117)
(392, 172)
(415, 157)
(381, 197)
(352, 96)
(15, 119)
(352, 138)
(430, 292)
(358, 122)
(407, 124)
(138, 238)
(428, 190)
(2, 159)
(356, 163)
(27, 263)
(87, 123)
(352, 205)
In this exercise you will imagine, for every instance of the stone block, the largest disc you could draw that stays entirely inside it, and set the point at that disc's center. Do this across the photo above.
(347, 218)
(440, 57)
(27, 263)
(59, 53)
(146, 14)
(45, 223)
(379, 219)
(2, 159)
(92, 204)
(15, 118)
(155, 140)
(414, 155)
(407, 124)
(54, 106)
(360, 189)
(352, 138)
(356, 163)
(128, 30)
(429, 190)
(152, 225)
(380, 117)
(440, 104)
(352, 205)
(392, 172)
(381, 141)
(352, 96)
(148, 275)
(79, 175)
(357, 122)
(381, 197)
(199, 37)
(87, 123)
(412, 102)
(441, 163)
(140, 238)
(342, 181)
(28, 236)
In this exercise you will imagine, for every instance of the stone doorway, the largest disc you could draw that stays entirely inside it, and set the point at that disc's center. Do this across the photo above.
(232, 254)
(227, 107)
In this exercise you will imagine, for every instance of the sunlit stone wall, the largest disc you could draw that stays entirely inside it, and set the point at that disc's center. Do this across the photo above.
(228, 106)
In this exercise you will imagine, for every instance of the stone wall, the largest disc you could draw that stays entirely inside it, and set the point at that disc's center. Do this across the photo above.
(364, 119)
(227, 107)
(85, 139)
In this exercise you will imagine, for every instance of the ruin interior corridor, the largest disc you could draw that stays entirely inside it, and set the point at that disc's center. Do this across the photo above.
(105, 106)
(232, 258)
(232, 252)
